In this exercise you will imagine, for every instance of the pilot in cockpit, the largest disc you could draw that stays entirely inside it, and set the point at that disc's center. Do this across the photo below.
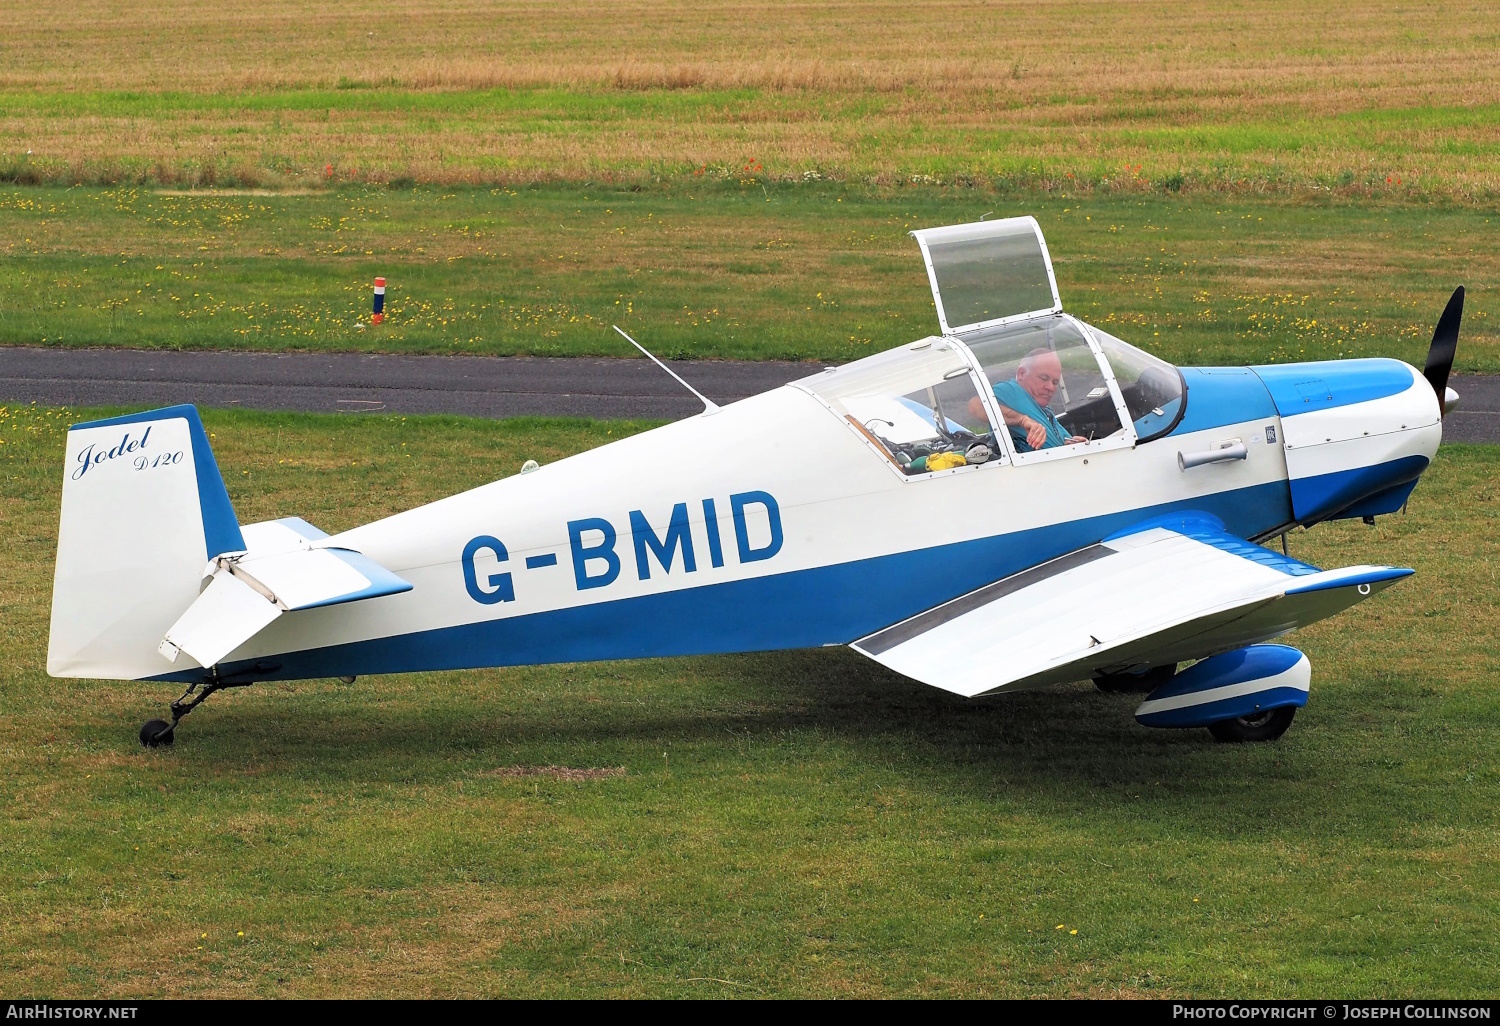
(1023, 403)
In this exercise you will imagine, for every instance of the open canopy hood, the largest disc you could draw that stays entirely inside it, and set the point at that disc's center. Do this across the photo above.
(988, 273)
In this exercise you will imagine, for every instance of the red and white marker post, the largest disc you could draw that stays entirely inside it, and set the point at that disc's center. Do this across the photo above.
(379, 314)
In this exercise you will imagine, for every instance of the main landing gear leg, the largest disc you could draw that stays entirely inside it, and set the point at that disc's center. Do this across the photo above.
(155, 733)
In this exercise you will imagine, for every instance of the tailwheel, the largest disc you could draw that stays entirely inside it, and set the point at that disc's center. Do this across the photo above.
(1260, 726)
(155, 733)
(1135, 683)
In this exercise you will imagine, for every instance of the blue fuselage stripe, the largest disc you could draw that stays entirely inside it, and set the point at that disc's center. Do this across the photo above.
(805, 608)
(1325, 496)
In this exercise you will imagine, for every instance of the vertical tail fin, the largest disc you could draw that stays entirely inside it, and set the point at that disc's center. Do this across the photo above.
(143, 512)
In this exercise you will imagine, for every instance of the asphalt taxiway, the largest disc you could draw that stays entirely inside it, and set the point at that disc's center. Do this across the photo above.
(474, 386)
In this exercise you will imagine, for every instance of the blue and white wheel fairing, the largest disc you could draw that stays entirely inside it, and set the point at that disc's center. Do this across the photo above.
(1245, 683)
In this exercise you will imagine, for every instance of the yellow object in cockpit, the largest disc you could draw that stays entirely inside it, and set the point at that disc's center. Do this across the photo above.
(946, 460)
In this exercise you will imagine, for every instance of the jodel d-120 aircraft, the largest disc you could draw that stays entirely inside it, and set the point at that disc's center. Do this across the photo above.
(1021, 500)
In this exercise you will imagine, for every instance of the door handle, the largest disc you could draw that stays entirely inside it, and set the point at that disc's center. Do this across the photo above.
(1226, 453)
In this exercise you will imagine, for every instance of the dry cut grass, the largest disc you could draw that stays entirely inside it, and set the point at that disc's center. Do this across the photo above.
(1146, 93)
(1258, 50)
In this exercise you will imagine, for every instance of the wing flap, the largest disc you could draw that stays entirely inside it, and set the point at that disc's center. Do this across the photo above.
(1165, 592)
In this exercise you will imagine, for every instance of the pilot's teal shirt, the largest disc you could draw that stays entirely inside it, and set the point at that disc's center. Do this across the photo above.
(1011, 395)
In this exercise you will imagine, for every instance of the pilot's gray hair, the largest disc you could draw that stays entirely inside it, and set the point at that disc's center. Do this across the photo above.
(1029, 358)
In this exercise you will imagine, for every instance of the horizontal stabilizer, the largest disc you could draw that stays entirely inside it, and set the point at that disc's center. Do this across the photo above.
(286, 567)
(1169, 590)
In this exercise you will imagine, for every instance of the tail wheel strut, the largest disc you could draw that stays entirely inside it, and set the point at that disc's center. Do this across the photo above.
(155, 733)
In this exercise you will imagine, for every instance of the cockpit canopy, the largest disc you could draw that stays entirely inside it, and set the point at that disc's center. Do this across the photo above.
(915, 402)
(1151, 388)
(995, 290)
(1010, 363)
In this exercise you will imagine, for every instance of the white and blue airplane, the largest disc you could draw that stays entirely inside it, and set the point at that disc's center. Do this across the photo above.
(1021, 500)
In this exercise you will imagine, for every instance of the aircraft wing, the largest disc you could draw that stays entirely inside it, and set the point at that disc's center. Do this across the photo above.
(1167, 590)
(285, 567)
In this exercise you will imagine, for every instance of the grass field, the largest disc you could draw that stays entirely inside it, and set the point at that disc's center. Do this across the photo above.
(818, 271)
(784, 824)
(1273, 94)
(1264, 180)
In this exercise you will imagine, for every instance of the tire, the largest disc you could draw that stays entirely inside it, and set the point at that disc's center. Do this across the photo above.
(1265, 726)
(1135, 683)
(152, 736)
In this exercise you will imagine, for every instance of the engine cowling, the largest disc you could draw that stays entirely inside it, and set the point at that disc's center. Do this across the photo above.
(1357, 434)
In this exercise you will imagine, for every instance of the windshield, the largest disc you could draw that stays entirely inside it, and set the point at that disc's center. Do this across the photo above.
(1047, 383)
(1152, 388)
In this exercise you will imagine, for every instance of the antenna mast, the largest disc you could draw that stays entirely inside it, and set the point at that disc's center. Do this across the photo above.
(709, 406)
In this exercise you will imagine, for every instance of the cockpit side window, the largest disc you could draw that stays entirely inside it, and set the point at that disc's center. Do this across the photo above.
(921, 408)
(1154, 393)
(1047, 383)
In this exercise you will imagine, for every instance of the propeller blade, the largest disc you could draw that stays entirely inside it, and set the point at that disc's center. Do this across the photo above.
(1444, 345)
